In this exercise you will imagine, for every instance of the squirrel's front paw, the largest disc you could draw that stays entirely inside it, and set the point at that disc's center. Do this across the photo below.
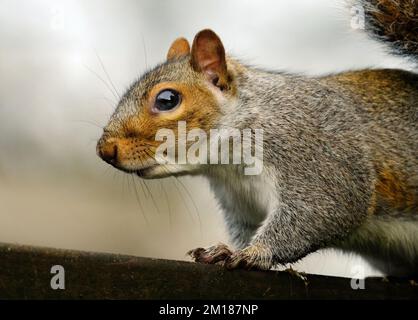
(252, 257)
(214, 254)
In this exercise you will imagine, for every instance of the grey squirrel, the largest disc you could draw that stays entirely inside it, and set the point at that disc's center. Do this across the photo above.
(340, 151)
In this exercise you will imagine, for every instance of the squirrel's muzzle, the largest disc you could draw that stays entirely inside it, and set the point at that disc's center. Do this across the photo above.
(107, 149)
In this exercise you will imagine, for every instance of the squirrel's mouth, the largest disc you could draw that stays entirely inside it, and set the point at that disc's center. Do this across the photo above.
(144, 172)
(147, 171)
(157, 171)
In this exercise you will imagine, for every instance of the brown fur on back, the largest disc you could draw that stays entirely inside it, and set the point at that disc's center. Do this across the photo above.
(388, 101)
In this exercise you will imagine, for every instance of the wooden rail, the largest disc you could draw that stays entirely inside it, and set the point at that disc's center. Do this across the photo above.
(25, 273)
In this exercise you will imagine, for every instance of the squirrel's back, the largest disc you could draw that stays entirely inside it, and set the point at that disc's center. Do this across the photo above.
(387, 100)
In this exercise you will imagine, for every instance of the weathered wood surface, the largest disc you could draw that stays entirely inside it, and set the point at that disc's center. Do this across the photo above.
(25, 274)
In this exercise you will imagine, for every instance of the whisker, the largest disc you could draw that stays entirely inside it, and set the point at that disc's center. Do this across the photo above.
(142, 184)
(152, 197)
(123, 183)
(102, 80)
(110, 102)
(145, 51)
(114, 175)
(168, 204)
(89, 122)
(107, 74)
(146, 186)
(167, 170)
(106, 170)
(142, 187)
(193, 202)
(139, 202)
(182, 198)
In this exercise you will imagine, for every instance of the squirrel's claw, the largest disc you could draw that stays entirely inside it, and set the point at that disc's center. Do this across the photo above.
(212, 255)
(253, 257)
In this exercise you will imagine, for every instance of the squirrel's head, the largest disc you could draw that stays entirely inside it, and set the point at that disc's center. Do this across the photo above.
(192, 85)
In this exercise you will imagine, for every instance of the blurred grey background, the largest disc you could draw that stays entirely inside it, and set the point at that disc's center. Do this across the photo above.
(57, 59)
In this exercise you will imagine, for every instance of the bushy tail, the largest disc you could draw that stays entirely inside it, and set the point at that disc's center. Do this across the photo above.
(395, 22)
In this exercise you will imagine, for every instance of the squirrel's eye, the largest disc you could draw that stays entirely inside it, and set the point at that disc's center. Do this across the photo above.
(167, 100)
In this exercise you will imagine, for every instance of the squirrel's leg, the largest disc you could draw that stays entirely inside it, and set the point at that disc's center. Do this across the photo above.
(278, 240)
(240, 232)
(295, 228)
(289, 234)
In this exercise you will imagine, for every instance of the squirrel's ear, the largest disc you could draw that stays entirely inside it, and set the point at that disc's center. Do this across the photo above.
(180, 47)
(208, 56)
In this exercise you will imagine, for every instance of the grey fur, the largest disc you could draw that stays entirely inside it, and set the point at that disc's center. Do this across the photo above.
(319, 144)
(323, 138)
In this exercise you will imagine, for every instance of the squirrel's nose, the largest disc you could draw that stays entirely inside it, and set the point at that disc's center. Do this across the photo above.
(108, 150)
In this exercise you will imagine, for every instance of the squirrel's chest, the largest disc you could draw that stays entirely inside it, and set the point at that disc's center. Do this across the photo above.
(246, 198)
